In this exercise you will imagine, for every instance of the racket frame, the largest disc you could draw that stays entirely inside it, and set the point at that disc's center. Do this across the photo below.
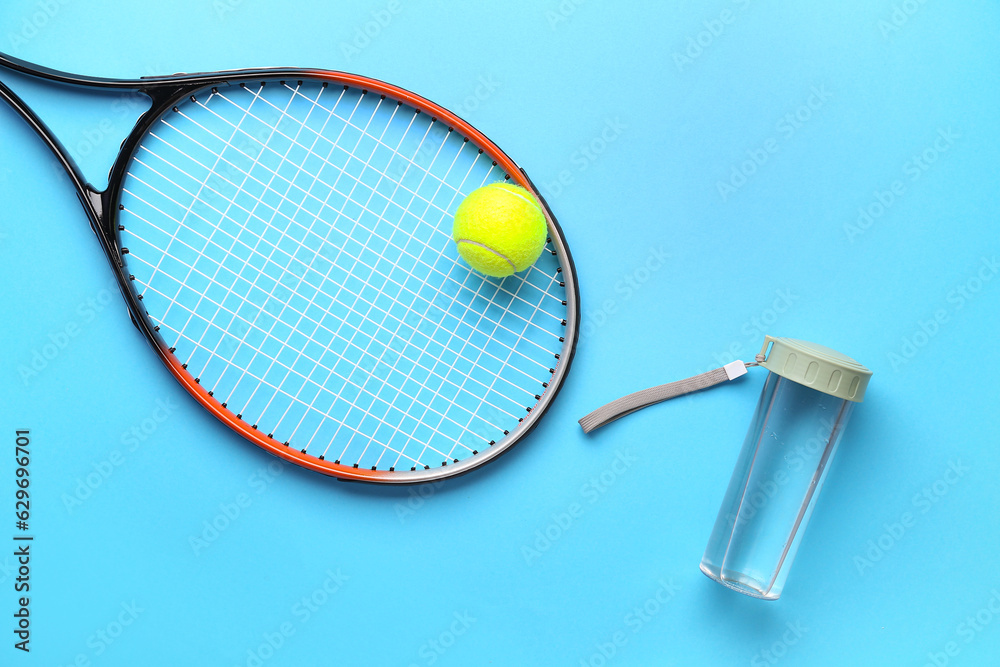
(102, 207)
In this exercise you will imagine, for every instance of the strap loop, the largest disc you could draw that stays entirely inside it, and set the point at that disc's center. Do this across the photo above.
(640, 399)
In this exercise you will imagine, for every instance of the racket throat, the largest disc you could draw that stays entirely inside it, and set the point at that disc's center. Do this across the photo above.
(93, 202)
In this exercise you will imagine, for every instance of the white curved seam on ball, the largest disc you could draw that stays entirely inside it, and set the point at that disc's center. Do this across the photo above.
(523, 198)
(486, 247)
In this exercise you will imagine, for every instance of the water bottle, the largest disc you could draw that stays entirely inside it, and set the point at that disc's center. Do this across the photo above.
(806, 402)
(807, 399)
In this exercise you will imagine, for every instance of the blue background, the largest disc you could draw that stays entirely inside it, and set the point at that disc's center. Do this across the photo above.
(457, 573)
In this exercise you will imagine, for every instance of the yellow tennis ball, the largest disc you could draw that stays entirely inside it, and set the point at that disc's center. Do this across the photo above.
(500, 229)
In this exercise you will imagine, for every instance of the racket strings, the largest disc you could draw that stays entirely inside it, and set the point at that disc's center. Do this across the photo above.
(274, 248)
(191, 312)
(262, 382)
(411, 162)
(198, 344)
(415, 257)
(389, 410)
(218, 268)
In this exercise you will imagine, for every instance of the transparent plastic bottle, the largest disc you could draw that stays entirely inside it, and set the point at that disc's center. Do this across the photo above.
(805, 404)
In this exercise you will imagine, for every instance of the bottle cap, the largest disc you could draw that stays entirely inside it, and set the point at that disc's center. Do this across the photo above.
(815, 366)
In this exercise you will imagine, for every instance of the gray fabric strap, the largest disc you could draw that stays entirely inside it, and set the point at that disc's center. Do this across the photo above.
(640, 399)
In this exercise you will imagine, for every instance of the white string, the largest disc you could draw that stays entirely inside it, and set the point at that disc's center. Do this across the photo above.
(263, 381)
(326, 161)
(335, 296)
(292, 258)
(302, 314)
(315, 293)
(259, 351)
(430, 337)
(347, 121)
(220, 307)
(415, 257)
(277, 318)
(219, 267)
(330, 331)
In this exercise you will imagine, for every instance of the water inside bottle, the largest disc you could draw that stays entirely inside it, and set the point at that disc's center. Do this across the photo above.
(774, 486)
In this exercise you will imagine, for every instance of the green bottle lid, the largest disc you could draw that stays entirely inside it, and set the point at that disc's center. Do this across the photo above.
(815, 366)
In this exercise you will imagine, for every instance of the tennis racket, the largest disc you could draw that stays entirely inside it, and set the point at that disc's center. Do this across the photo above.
(283, 240)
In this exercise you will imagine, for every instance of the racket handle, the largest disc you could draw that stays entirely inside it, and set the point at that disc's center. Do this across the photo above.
(640, 399)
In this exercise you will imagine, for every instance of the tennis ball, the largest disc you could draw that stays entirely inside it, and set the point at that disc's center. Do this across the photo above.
(500, 229)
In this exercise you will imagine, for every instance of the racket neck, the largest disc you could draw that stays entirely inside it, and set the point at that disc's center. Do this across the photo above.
(39, 72)
(90, 197)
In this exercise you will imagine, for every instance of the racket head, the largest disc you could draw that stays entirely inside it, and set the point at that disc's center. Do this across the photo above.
(345, 337)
